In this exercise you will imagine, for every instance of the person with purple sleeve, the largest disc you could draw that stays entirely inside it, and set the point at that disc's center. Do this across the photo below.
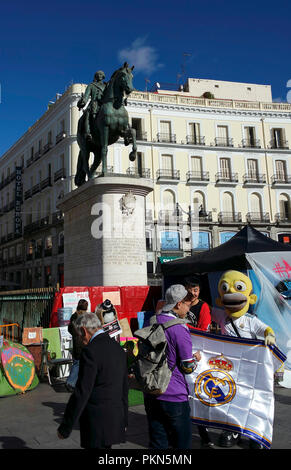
(168, 414)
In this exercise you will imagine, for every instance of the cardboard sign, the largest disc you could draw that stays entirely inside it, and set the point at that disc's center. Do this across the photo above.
(32, 336)
(113, 328)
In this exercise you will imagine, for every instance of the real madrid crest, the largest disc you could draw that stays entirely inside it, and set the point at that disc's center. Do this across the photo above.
(216, 386)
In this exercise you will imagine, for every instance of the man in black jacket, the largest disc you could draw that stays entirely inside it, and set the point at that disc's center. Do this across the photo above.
(100, 398)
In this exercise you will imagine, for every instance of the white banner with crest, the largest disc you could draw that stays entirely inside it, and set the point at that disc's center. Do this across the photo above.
(232, 387)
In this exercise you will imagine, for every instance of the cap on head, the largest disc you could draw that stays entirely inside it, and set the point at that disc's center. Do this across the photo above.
(174, 294)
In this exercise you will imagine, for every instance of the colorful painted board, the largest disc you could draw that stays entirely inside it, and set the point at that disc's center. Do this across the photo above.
(18, 365)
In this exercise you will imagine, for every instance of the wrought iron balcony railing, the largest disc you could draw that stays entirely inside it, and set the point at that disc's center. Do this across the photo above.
(281, 178)
(223, 141)
(168, 174)
(279, 144)
(60, 174)
(197, 176)
(141, 135)
(262, 217)
(225, 177)
(254, 178)
(144, 173)
(251, 143)
(170, 217)
(282, 218)
(166, 137)
(60, 136)
(200, 216)
(195, 140)
(229, 217)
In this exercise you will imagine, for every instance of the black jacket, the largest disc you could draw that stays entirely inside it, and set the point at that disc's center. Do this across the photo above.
(100, 398)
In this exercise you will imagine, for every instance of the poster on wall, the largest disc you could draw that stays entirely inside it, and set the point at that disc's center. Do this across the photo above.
(71, 300)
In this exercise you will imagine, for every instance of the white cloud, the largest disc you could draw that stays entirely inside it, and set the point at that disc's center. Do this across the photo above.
(143, 57)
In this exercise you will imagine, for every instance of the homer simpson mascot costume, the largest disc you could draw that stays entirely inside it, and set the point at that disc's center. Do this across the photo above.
(235, 297)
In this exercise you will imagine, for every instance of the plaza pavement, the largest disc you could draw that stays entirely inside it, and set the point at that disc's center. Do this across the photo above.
(30, 421)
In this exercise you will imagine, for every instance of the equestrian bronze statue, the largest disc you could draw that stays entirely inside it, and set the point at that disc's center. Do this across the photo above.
(104, 121)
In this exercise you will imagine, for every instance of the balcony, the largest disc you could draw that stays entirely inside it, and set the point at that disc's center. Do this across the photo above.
(135, 172)
(37, 155)
(60, 174)
(258, 217)
(201, 217)
(223, 141)
(200, 176)
(45, 183)
(166, 175)
(141, 135)
(226, 178)
(166, 137)
(281, 179)
(35, 189)
(170, 217)
(47, 147)
(27, 194)
(229, 217)
(251, 143)
(279, 144)
(195, 140)
(281, 218)
(253, 179)
(60, 136)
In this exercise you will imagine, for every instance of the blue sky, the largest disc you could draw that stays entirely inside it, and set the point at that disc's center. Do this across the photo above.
(45, 47)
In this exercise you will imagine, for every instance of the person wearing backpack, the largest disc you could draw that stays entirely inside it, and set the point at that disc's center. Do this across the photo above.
(168, 413)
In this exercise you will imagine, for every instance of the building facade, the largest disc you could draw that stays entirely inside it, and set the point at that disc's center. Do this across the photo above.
(217, 152)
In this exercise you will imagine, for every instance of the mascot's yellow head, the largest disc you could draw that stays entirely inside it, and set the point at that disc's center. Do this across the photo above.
(235, 290)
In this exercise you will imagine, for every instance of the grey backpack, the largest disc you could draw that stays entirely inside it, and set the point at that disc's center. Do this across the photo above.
(151, 369)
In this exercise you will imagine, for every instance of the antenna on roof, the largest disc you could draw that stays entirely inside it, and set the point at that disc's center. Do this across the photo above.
(146, 83)
(183, 65)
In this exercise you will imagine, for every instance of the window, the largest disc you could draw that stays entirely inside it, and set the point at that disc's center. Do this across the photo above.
(277, 138)
(256, 203)
(194, 136)
(225, 168)
(170, 241)
(200, 241)
(225, 236)
(169, 200)
(280, 170)
(250, 136)
(222, 133)
(167, 163)
(252, 169)
(227, 203)
(196, 165)
(284, 206)
(137, 125)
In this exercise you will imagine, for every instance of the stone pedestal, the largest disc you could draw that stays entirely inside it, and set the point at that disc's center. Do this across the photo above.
(104, 231)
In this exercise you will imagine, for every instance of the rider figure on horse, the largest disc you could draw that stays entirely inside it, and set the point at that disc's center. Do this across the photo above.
(94, 91)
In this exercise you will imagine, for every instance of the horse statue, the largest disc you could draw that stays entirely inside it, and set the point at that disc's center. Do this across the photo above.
(109, 125)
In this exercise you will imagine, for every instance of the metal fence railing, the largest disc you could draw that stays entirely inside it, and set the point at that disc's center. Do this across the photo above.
(27, 308)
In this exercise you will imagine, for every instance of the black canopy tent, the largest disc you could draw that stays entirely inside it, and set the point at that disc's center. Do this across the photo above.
(229, 255)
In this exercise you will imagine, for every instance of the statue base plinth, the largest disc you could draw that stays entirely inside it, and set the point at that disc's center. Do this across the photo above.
(104, 232)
